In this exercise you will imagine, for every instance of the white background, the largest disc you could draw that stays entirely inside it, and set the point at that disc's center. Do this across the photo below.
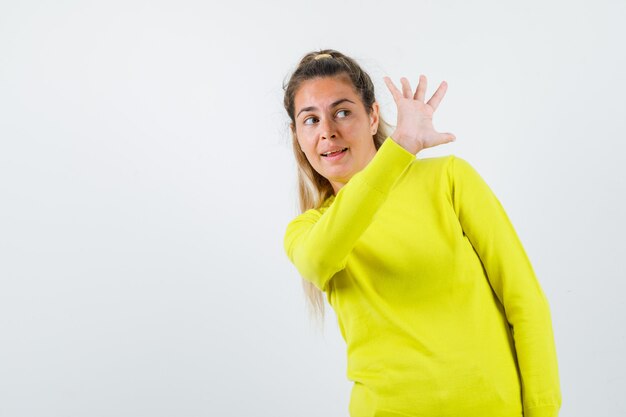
(146, 179)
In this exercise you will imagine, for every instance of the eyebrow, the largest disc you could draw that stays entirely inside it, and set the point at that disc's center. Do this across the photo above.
(336, 103)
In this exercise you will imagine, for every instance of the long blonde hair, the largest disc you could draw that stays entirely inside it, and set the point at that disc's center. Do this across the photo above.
(313, 188)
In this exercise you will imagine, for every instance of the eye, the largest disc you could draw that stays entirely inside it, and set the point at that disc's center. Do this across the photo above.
(309, 120)
(344, 112)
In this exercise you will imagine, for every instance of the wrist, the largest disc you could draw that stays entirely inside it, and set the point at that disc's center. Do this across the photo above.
(408, 143)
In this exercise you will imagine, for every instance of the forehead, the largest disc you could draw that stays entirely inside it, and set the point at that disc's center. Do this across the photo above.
(323, 91)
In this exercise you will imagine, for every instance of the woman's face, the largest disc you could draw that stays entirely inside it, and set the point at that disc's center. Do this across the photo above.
(330, 117)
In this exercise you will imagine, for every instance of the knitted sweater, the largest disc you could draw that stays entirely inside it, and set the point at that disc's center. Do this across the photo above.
(434, 294)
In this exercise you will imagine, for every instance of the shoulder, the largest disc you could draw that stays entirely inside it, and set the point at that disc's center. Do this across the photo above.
(435, 173)
(441, 162)
(434, 162)
(310, 216)
(450, 165)
(432, 166)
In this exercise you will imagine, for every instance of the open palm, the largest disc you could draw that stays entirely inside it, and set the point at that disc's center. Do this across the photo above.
(414, 129)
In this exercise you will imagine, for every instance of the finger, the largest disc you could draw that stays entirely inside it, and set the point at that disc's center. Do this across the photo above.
(438, 96)
(420, 91)
(393, 89)
(406, 87)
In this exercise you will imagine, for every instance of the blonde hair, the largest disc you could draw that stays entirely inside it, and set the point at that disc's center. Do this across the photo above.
(313, 188)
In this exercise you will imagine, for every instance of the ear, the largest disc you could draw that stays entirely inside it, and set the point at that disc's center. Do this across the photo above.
(374, 118)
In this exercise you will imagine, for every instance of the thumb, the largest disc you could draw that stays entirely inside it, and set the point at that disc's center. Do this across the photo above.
(439, 139)
(447, 137)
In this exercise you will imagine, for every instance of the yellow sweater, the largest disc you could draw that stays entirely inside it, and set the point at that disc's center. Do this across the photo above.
(434, 294)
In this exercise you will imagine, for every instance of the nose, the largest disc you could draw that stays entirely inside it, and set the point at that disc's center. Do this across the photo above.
(328, 129)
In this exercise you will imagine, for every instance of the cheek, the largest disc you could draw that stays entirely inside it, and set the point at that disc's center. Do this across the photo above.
(304, 146)
(309, 152)
(307, 145)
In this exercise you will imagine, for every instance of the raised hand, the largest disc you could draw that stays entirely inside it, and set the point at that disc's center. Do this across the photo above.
(414, 129)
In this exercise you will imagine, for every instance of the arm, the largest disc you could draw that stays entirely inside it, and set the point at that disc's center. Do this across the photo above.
(318, 242)
(512, 278)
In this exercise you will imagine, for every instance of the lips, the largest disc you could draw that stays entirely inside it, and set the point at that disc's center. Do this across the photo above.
(333, 152)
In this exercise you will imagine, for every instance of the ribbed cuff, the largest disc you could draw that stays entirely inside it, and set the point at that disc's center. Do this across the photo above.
(385, 168)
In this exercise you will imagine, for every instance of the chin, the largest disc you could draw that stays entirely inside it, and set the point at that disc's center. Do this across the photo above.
(338, 177)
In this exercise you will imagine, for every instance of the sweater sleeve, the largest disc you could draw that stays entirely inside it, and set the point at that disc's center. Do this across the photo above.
(319, 241)
(513, 280)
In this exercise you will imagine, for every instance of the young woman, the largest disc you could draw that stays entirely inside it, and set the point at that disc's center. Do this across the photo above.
(435, 297)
